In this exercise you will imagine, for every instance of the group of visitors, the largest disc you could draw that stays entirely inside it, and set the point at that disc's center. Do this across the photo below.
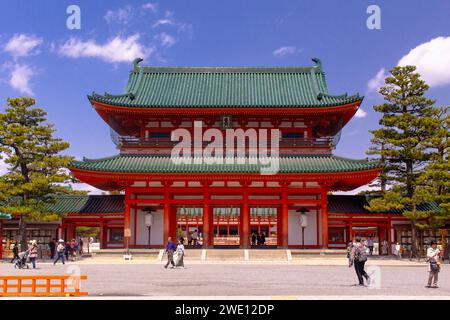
(258, 238)
(192, 238)
(358, 251)
(175, 254)
(68, 249)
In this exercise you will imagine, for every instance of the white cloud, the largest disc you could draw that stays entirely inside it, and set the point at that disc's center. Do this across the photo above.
(22, 45)
(121, 15)
(366, 187)
(376, 82)
(360, 113)
(150, 6)
(163, 22)
(432, 60)
(86, 187)
(284, 51)
(116, 50)
(3, 167)
(20, 77)
(166, 39)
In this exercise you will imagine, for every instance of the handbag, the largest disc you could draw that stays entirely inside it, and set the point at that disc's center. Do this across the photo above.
(434, 266)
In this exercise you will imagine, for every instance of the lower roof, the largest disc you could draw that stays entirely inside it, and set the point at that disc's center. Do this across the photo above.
(127, 163)
(107, 204)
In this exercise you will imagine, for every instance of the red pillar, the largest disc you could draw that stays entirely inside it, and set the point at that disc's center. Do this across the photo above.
(207, 230)
(167, 216)
(324, 210)
(245, 221)
(284, 220)
(126, 222)
(1, 239)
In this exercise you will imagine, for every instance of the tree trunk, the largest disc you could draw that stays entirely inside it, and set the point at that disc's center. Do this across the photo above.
(414, 253)
(23, 233)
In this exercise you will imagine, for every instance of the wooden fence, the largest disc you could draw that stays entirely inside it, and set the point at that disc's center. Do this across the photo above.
(41, 285)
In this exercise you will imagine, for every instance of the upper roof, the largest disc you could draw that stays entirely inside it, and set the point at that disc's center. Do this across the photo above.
(163, 164)
(150, 87)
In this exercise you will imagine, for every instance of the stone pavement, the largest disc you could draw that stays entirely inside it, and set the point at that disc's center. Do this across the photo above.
(275, 281)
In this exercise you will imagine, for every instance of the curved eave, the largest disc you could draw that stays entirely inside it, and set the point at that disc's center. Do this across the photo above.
(149, 110)
(343, 181)
(108, 112)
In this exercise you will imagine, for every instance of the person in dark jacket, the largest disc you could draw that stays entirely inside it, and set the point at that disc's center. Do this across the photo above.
(68, 250)
(51, 246)
(253, 239)
(170, 248)
(15, 251)
(263, 238)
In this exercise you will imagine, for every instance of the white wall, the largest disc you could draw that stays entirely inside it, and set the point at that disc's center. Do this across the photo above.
(295, 231)
(142, 231)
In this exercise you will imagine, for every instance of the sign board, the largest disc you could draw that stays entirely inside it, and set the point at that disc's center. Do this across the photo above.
(127, 232)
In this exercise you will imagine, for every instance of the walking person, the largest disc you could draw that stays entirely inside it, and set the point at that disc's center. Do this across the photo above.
(195, 237)
(349, 253)
(179, 261)
(51, 246)
(33, 252)
(60, 251)
(67, 250)
(263, 238)
(170, 248)
(15, 251)
(370, 245)
(358, 259)
(80, 243)
(398, 250)
(434, 265)
(258, 238)
(384, 247)
(253, 239)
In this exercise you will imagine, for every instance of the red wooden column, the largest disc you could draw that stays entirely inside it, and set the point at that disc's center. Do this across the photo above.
(1, 239)
(166, 215)
(207, 219)
(126, 222)
(324, 211)
(284, 218)
(245, 219)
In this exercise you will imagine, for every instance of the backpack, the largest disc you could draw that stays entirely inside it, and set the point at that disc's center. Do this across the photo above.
(361, 254)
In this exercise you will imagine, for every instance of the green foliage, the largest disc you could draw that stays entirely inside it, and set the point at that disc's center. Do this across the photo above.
(412, 142)
(87, 232)
(35, 170)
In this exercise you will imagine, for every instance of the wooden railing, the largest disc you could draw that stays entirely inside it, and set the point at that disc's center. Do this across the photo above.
(41, 285)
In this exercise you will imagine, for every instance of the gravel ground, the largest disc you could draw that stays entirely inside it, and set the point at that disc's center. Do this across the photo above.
(152, 280)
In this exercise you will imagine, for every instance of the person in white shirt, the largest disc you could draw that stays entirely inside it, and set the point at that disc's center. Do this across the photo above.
(433, 255)
(398, 250)
(179, 255)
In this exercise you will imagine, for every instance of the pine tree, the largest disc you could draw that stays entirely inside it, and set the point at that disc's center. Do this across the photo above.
(36, 171)
(409, 123)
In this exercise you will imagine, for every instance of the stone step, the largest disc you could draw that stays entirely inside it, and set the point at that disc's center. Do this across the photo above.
(267, 255)
(225, 255)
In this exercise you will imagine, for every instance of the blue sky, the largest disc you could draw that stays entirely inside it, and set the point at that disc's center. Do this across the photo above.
(40, 56)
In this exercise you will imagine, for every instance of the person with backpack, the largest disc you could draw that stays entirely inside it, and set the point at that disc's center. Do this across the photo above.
(358, 259)
(433, 256)
(60, 251)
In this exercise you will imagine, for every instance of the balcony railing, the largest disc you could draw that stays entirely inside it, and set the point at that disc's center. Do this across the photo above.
(132, 142)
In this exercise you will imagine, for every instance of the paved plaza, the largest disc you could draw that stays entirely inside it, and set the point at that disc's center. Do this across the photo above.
(151, 280)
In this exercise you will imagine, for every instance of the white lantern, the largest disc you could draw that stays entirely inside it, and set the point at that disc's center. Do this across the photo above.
(303, 220)
(148, 220)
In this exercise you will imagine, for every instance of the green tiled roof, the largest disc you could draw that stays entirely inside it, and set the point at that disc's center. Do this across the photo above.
(88, 204)
(355, 204)
(5, 215)
(226, 87)
(164, 164)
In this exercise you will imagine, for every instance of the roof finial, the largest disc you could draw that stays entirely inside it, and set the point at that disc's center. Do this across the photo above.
(136, 62)
(318, 63)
